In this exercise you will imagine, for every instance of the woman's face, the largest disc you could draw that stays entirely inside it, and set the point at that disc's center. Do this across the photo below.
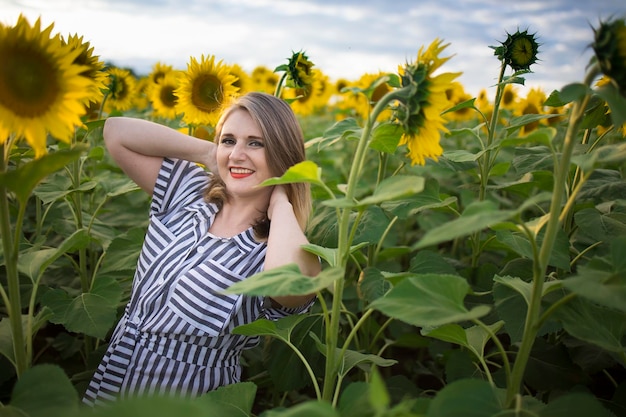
(241, 159)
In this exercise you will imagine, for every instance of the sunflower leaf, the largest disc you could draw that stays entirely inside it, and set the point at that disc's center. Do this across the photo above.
(23, 180)
(305, 171)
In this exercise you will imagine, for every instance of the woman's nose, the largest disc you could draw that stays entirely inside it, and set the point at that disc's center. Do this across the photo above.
(237, 152)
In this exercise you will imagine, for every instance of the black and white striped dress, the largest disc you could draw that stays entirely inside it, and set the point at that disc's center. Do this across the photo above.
(174, 337)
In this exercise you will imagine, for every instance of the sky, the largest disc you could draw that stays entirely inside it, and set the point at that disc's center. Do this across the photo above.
(343, 38)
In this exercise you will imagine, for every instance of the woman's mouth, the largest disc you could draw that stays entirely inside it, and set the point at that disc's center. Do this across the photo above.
(240, 172)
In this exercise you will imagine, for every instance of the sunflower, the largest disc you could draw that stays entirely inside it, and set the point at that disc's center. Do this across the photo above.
(306, 101)
(205, 89)
(299, 71)
(610, 49)
(159, 70)
(456, 94)
(363, 104)
(420, 113)
(161, 95)
(94, 67)
(122, 89)
(141, 101)
(264, 79)
(602, 128)
(531, 104)
(243, 81)
(519, 51)
(510, 97)
(42, 90)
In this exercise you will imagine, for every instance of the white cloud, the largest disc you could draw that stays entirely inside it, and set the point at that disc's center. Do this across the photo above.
(344, 38)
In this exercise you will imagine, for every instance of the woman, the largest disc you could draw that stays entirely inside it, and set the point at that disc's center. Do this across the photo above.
(206, 232)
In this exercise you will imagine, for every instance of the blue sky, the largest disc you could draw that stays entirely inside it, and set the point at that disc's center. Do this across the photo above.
(343, 38)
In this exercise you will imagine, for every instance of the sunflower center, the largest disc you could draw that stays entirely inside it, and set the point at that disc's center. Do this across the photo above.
(167, 96)
(207, 94)
(522, 52)
(28, 82)
(379, 92)
(508, 97)
(530, 108)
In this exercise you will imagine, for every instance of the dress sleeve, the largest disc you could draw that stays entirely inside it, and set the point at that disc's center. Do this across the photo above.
(179, 183)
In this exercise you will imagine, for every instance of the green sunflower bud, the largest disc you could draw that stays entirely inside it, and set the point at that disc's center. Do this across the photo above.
(299, 71)
(519, 51)
(610, 49)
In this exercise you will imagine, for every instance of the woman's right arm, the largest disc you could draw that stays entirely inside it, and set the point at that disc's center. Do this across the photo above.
(138, 146)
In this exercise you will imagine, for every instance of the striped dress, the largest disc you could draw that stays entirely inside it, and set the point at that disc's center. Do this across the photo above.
(174, 337)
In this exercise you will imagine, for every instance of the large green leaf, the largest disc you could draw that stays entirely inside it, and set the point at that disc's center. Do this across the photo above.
(123, 252)
(427, 262)
(394, 188)
(25, 178)
(372, 284)
(600, 226)
(285, 280)
(45, 391)
(512, 296)
(607, 288)
(305, 171)
(429, 198)
(429, 300)
(378, 394)
(577, 404)
(518, 122)
(466, 398)
(91, 313)
(519, 243)
(477, 216)
(306, 409)
(239, 396)
(232, 401)
(284, 356)
(34, 263)
(613, 154)
(594, 324)
(330, 255)
(474, 338)
(352, 358)
(550, 367)
(280, 329)
(385, 137)
(343, 129)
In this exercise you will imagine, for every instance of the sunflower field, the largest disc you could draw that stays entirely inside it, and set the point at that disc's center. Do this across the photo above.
(474, 249)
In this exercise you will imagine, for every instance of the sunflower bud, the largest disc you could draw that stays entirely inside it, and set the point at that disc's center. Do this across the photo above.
(519, 51)
(299, 71)
(610, 48)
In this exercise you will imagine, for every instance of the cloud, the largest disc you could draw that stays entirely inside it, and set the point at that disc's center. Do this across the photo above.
(345, 38)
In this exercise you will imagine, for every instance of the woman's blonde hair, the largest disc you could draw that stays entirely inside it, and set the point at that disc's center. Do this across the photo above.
(284, 147)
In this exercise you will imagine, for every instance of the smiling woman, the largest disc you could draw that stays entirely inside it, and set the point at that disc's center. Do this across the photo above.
(207, 231)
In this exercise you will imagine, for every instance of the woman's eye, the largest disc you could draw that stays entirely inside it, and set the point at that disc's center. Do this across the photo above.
(257, 144)
(227, 141)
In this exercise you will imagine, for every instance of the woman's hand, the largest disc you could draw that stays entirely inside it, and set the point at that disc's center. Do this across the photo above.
(278, 201)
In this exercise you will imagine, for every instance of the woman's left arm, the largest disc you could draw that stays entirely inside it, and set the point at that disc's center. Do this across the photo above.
(284, 244)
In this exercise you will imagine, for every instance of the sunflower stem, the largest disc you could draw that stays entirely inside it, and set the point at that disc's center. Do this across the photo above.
(343, 248)
(485, 165)
(491, 133)
(10, 249)
(533, 320)
(279, 86)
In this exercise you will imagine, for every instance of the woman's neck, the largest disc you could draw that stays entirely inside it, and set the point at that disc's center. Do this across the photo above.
(233, 219)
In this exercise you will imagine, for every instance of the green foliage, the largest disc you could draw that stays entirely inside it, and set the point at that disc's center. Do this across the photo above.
(490, 282)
